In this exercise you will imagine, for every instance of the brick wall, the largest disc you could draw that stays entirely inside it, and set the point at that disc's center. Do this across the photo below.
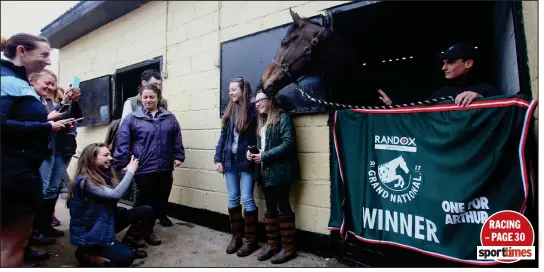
(192, 43)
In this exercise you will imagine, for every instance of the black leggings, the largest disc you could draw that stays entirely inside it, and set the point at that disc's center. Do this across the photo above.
(154, 190)
(277, 200)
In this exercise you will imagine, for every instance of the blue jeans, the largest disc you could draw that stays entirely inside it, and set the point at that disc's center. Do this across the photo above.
(237, 180)
(52, 171)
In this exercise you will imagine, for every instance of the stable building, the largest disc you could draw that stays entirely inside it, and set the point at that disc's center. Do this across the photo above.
(200, 45)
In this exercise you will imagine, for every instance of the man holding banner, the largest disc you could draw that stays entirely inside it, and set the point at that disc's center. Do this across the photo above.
(462, 83)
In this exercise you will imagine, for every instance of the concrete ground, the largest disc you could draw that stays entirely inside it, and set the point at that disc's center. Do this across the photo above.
(184, 245)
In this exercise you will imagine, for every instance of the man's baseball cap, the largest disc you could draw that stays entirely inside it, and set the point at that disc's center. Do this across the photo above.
(459, 50)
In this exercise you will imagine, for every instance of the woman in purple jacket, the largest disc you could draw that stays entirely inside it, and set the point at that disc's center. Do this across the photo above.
(153, 135)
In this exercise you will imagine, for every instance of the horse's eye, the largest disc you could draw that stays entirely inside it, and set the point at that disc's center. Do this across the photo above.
(284, 42)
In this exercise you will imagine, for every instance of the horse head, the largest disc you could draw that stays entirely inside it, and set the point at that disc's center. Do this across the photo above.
(296, 56)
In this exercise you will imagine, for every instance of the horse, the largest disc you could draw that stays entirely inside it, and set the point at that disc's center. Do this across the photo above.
(311, 49)
(387, 172)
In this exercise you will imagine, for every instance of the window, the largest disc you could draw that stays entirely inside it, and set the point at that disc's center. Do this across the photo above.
(249, 56)
(127, 81)
(95, 101)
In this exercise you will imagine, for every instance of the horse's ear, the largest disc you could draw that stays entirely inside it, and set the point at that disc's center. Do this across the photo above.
(296, 17)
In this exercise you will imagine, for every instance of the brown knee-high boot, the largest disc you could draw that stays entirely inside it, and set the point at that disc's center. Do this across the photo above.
(272, 236)
(287, 230)
(250, 239)
(237, 229)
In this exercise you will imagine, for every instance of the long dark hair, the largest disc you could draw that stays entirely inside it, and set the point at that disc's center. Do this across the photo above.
(240, 111)
(87, 167)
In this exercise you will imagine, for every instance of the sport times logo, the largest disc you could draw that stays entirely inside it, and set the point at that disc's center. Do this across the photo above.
(506, 253)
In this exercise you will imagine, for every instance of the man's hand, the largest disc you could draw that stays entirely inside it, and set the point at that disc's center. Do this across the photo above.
(384, 98)
(465, 98)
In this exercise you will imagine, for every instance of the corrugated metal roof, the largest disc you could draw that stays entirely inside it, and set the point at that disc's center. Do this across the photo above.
(62, 15)
(85, 17)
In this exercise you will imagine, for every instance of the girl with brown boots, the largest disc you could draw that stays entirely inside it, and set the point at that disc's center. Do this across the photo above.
(277, 168)
(237, 133)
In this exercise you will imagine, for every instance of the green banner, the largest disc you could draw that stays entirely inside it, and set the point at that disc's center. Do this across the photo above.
(426, 178)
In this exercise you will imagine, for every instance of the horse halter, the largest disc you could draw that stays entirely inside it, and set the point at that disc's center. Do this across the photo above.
(307, 51)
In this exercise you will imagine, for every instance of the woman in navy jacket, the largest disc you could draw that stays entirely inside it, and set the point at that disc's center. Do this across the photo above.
(239, 131)
(153, 135)
(25, 132)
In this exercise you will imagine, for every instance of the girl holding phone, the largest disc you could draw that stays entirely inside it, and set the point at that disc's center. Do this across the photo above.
(278, 168)
(237, 133)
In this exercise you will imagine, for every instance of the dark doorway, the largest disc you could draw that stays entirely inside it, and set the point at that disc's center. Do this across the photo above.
(127, 81)
(398, 42)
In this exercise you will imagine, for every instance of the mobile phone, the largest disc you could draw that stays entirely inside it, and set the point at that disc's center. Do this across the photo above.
(75, 82)
(65, 121)
(64, 108)
(253, 150)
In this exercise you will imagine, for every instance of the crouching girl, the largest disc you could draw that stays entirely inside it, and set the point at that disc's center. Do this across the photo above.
(94, 215)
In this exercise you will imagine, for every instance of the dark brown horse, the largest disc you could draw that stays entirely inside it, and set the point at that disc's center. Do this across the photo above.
(310, 49)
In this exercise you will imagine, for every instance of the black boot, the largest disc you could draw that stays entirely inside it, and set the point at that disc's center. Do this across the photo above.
(139, 253)
(46, 228)
(37, 239)
(33, 255)
(250, 239)
(287, 230)
(164, 221)
(272, 236)
(236, 228)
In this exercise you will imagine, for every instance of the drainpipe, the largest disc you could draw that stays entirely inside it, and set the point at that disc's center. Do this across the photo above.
(165, 59)
(217, 61)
